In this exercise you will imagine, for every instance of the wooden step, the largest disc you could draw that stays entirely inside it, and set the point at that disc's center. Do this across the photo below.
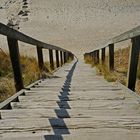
(89, 136)
(69, 125)
(91, 105)
(63, 113)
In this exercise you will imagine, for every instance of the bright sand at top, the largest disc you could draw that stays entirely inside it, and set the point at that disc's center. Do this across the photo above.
(77, 25)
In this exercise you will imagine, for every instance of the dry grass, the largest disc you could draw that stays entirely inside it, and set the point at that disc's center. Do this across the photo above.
(121, 68)
(30, 73)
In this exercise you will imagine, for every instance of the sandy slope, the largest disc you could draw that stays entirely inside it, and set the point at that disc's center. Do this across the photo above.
(79, 25)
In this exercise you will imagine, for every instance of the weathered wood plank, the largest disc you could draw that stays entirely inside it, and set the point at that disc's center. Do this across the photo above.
(43, 124)
(62, 113)
(81, 136)
(90, 105)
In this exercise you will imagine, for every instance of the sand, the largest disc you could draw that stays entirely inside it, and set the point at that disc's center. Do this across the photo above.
(76, 25)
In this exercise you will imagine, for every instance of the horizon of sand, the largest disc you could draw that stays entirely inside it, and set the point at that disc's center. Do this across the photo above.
(76, 25)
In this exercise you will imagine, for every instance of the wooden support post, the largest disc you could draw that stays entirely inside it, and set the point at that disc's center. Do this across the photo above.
(65, 59)
(67, 56)
(94, 57)
(57, 58)
(40, 58)
(15, 60)
(97, 57)
(103, 55)
(133, 63)
(61, 57)
(111, 57)
(51, 59)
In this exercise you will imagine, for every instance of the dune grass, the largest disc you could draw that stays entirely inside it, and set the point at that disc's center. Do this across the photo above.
(30, 73)
(121, 68)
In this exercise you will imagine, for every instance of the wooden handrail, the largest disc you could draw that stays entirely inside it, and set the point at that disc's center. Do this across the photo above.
(134, 35)
(126, 35)
(11, 33)
(13, 37)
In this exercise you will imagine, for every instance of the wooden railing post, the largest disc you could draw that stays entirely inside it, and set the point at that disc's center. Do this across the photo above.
(61, 57)
(15, 60)
(94, 57)
(65, 59)
(97, 57)
(103, 55)
(111, 57)
(57, 58)
(40, 58)
(133, 63)
(67, 56)
(51, 59)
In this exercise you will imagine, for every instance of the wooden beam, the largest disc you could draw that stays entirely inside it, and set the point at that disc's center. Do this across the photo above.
(111, 57)
(11, 33)
(126, 35)
(103, 55)
(133, 63)
(40, 58)
(15, 60)
(51, 59)
(57, 58)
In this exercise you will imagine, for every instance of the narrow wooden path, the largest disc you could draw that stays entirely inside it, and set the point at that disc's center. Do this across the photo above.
(74, 104)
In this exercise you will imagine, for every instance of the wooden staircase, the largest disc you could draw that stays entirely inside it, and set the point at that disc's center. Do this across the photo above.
(73, 104)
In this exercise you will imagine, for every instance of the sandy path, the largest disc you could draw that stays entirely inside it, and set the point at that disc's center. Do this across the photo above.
(80, 25)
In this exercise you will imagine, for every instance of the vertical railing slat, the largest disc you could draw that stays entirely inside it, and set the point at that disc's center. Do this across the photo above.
(15, 60)
(103, 56)
(40, 58)
(111, 57)
(61, 57)
(57, 58)
(65, 59)
(51, 59)
(133, 63)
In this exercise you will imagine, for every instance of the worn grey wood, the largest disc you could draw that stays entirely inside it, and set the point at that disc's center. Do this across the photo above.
(72, 103)
(95, 136)
(63, 113)
(126, 35)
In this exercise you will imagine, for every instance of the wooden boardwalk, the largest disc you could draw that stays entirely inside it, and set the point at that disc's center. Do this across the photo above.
(74, 104)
